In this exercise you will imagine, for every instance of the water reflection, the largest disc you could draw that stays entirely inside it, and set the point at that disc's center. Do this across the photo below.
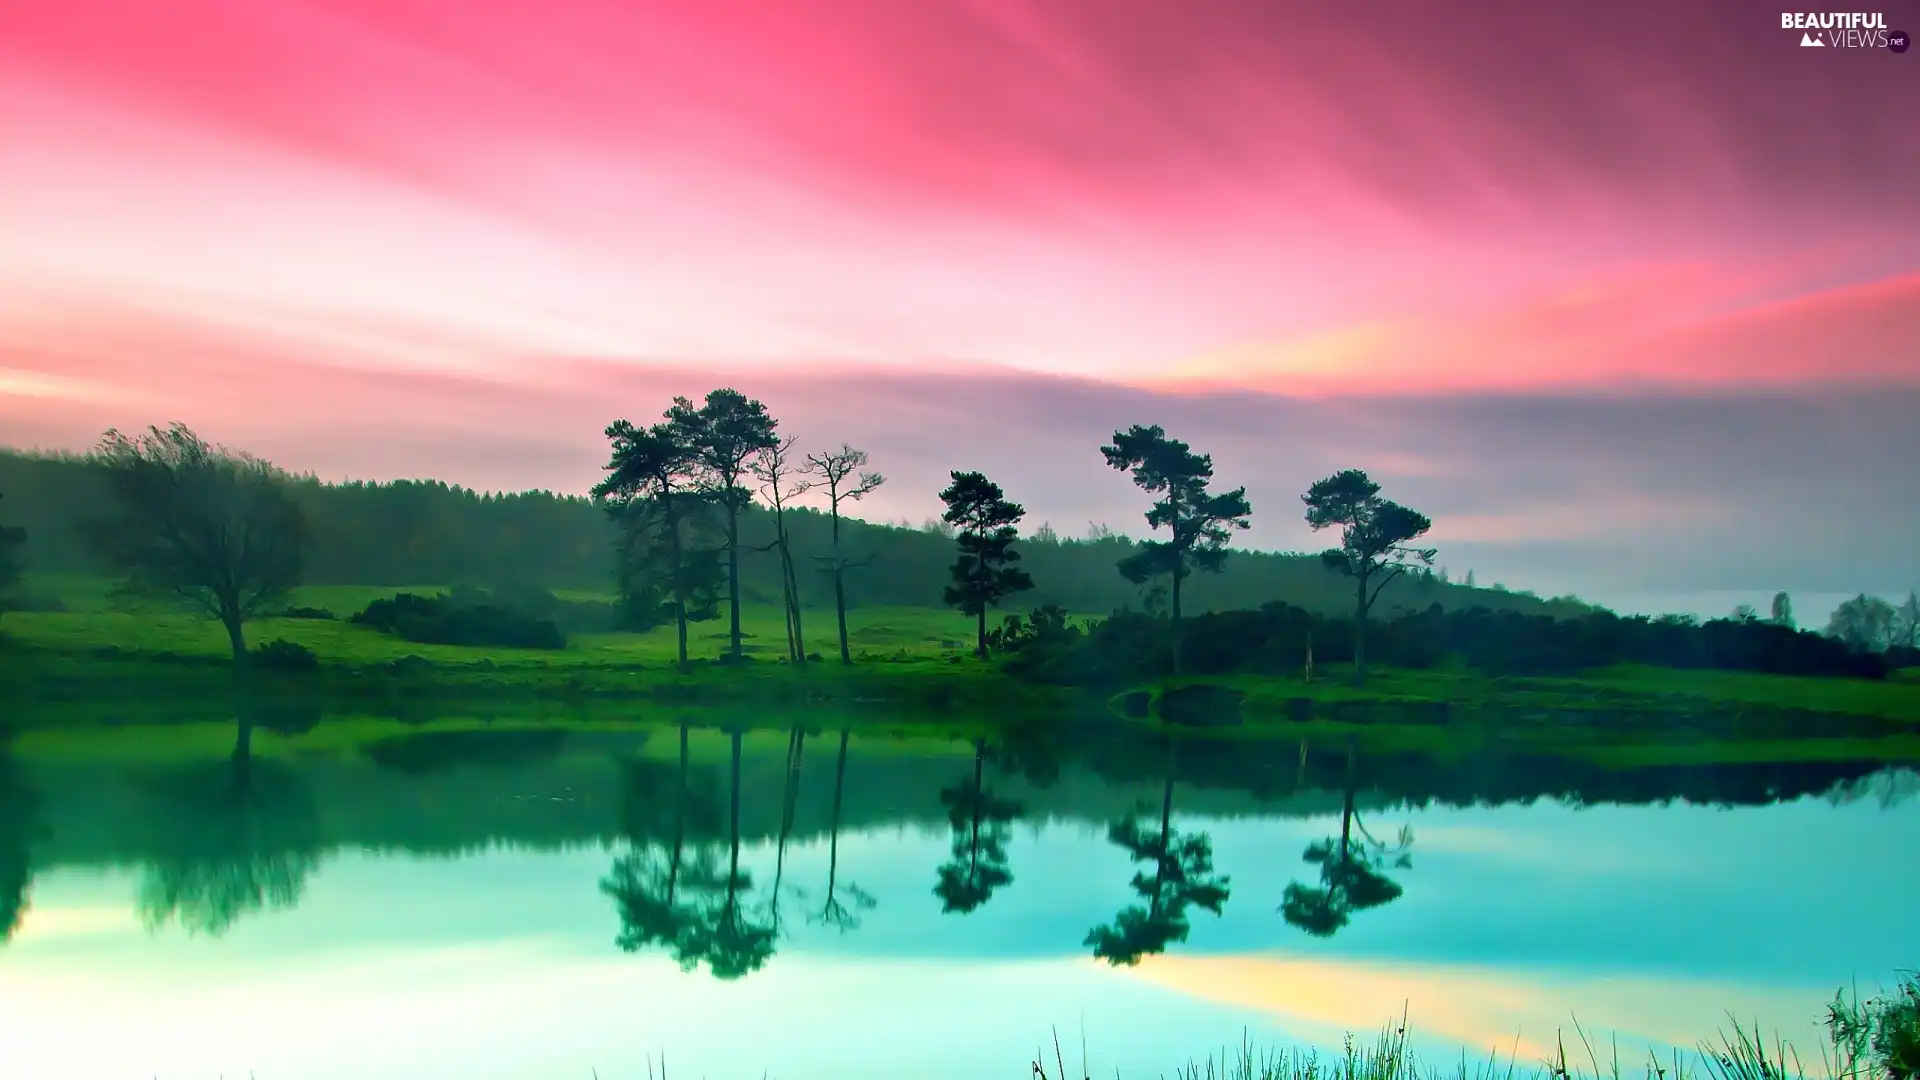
(723, 931)
(1352, 869)
(19, 825)
(980, 820)
(663, 807)
(517, 864)
(835, 911)
(1183, 877)
(673, 888)
(229, 840)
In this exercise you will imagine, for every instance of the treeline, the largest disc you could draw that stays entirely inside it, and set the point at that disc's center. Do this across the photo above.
(427, 533)
(1280, 639)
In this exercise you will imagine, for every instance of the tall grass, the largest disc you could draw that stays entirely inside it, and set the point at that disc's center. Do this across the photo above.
(1866, 1039)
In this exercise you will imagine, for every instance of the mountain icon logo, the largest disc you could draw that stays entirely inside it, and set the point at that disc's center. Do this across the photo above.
(1809, 41)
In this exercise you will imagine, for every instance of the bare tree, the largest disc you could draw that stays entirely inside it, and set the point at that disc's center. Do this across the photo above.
(775, 469)
(844, 473)
(215, 529)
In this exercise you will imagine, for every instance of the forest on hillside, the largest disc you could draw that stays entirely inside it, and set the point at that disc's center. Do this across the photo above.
(429, 533)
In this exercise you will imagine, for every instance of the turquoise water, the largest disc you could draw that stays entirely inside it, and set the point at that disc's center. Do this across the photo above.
(456, 906)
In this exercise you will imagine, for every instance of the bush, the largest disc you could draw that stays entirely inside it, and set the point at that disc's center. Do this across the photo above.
(313, 613)
(462, 618)
(286, 656)
(1128, 646)
(34, 602)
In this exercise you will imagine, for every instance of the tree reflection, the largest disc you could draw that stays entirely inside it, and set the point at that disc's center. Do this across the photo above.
(980, 826)
(662, 806)
(1183, 877)
(19, 827)
(789, 807)
(834, 912)
(672, 889)
(732, 943)
(1352, 869)
(241, 839)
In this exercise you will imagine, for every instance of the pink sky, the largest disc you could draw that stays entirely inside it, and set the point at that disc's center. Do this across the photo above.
(470, 234)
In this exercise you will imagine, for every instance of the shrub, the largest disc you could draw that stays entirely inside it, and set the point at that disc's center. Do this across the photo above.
(468, 617)
(34, 602)
(286, 656)
(313, 613)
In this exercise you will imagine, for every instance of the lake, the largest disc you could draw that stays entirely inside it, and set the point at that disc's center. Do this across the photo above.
(494, 902)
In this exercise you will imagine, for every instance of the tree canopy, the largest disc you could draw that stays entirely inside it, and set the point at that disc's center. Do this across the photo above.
(725, 433)
(215, 529)
(1376, 538)
(1199, 523)
(985, 526)
(13, 543)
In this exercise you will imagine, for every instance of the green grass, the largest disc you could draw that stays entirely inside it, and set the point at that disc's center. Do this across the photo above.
(91, 621)
(907, 654)
(1866, 1039)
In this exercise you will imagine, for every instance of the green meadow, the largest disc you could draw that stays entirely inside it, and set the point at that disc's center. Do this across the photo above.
(912, 661)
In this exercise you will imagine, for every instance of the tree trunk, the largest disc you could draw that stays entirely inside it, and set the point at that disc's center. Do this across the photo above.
(733, 573)
(789, 802)
(1360, 634)
(979, 801)
(243, 748)
(1179, 564)
(1176, 619)
(839, 586)
(237, 637)
(679, 586)
(1166, 838)
(1346, 823)
(1346, 806)
(793, 591)
(679, 821)
(833, 823)
(733, 826)
(980, 598)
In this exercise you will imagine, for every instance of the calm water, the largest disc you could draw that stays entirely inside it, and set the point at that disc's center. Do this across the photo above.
(499, 905)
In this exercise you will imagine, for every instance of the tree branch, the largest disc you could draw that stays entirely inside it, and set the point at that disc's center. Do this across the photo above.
(1398, 569)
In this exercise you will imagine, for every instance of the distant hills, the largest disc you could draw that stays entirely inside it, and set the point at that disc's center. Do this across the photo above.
(431, 533)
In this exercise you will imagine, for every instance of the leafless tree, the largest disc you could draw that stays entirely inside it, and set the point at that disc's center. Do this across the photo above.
(781, 482)
(844, 474)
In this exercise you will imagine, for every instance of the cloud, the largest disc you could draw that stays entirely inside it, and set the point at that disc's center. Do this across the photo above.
(1050, 187)
(389, 237)
(1663, 326)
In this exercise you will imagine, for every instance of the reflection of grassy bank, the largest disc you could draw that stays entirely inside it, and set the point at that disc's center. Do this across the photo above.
(307, 715)
(1866, 1039)
(1628, 700)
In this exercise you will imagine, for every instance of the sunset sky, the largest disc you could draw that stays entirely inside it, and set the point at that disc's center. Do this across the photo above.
(1625, 295)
